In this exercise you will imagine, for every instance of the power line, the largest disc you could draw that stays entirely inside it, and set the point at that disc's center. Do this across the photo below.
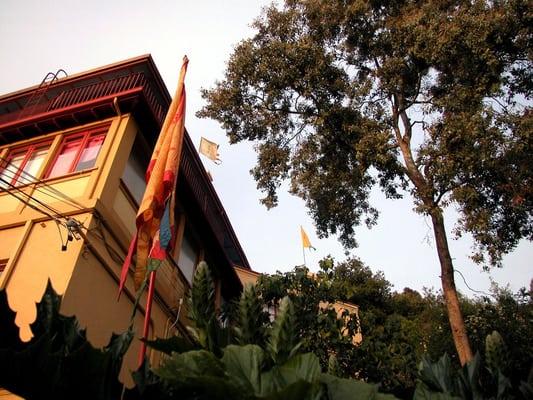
(40, 185)
(28, 197)
(69, 224)
(473, 290)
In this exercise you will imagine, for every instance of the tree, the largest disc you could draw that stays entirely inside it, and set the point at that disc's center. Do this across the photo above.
(320, 329)
(393, 337)
(268, 363)
(420, 97)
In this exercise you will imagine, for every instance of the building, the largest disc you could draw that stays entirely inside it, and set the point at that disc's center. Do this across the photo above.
(73, 151)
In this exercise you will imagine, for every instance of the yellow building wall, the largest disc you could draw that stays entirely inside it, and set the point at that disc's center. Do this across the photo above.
(37, 259)
(92, 297)
(86, 274)
(8, 203)
(9, 241)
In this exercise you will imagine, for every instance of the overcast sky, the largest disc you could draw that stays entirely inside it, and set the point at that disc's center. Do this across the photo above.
(41, 36)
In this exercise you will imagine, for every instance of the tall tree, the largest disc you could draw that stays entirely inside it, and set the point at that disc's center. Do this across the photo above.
(426, 97)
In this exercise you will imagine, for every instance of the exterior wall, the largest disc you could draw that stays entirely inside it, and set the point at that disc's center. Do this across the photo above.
(87, 273)
(37, 259)
(246, 276)
(30, 238)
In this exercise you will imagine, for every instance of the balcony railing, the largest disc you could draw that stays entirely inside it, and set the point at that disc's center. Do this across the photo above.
(78, 96)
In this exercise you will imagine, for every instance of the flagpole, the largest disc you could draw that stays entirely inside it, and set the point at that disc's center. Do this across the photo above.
(148, 312)
(303, 251)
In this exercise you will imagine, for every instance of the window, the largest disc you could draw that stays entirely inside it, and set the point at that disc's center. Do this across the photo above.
(188, 255)
(3, 264)
(77, 152)
(135, 170)
(22, 164)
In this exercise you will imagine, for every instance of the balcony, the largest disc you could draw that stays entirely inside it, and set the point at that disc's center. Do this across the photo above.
(63, 106)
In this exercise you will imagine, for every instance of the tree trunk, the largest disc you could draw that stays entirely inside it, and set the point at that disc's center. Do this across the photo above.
(455, 316)
(425, 194)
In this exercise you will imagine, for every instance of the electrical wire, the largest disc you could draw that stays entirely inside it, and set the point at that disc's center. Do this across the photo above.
(41, 185)
(473, 290)
(28, 197)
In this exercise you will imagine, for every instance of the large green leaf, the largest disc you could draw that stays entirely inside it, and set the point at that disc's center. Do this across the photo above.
(199, 374)
(423, 393)
(243, 364)
(174, 344)
(437, 376)
(301, 390)
(303, 367)
(351, 389)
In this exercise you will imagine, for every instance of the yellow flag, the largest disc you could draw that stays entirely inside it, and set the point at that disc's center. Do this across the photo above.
(305, 239)
(209, 149)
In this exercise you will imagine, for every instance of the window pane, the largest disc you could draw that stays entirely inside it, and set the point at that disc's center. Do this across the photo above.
(89, 153)
(29, 173)
(134, 172)
(8, 173)
(64, 161)
(187, 257)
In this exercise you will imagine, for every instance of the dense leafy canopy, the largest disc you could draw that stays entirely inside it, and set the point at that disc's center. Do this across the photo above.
(428, 96)
(399, 329)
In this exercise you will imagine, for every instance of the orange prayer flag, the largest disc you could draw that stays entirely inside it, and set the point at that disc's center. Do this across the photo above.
(305, 239)
(154, 238)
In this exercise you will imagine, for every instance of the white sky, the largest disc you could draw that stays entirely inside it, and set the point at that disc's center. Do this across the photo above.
(41, 36)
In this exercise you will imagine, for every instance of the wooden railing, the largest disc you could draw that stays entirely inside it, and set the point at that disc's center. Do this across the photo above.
(83, 94)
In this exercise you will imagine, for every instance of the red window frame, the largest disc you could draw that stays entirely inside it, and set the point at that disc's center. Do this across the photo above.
(28, 151)
(84, 139)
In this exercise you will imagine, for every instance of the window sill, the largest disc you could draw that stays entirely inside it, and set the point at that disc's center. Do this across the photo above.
(68, 176)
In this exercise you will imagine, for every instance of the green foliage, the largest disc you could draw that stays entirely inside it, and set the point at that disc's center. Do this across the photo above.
(244, 373)
(316, 324)
(282, 342)
(440, 377)
(207, 330)
(430, 99)
(510, 315)
(252, 320)
(335, 93)
(58, 362)
(495, 353)
(249, 371)
(398, 328)
(392, 342)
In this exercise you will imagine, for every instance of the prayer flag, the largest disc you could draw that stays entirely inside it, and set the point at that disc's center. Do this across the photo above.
(209, 149)
(305, 239)
(155, 217)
